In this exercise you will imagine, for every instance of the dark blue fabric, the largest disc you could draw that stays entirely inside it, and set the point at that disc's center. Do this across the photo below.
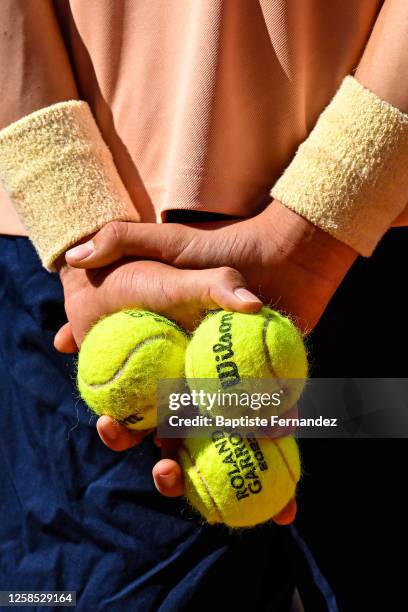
(75, 515)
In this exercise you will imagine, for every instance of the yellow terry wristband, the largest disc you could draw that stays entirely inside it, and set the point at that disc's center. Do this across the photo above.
(61, 177)
(350, 176)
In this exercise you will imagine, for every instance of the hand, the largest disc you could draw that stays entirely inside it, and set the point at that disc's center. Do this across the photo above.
(179, 294)
(285, 259)
(402, 219)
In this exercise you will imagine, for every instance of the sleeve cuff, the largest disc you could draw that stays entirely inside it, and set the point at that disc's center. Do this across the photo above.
(61, 177)
(349, 177)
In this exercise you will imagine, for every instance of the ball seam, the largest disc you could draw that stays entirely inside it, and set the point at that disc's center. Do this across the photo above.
(267, 353)
(125, 362)
(285, 461)
(203, 481)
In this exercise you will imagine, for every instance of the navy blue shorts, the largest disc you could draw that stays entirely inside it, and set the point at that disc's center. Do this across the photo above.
(76, 516)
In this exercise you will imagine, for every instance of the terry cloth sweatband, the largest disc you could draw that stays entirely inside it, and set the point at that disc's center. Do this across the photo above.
(350, 176)
(61, 177)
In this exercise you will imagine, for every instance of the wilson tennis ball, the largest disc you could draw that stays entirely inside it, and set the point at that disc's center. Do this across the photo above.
(230, 350)
(237, 479)
(121, 360)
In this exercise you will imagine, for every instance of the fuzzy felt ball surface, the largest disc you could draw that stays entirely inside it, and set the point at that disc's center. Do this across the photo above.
(239, 480)
(232, 347)
(121, 360)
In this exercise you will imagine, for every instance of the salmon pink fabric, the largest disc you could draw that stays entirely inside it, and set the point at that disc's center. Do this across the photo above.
(202, 102)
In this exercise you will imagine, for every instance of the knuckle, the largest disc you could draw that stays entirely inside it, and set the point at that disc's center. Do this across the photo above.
(229, 275)
(113, 231)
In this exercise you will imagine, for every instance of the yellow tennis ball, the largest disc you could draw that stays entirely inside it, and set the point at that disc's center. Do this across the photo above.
(121, 360)
(237, 479)
(228, 347)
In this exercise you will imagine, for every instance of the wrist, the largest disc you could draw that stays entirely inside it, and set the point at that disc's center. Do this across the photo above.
(307, 245)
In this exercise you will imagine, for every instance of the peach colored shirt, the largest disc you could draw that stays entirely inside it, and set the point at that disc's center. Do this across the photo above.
(202, 102)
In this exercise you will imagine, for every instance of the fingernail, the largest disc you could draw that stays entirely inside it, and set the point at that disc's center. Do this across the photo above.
(246, 296)
(168, 480)
(81, 251)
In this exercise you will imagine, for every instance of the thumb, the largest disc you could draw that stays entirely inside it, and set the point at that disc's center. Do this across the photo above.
(119, 239)
(181, 295)
(213, 288)
(226, 288)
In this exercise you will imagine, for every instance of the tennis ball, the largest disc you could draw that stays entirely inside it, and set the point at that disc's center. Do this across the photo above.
(237, 479)
(121, 360)
(232, 349)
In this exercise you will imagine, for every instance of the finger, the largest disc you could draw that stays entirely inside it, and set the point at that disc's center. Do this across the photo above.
(181, 295)
(120, 239)
(226, 288)
(168, 478)
(157, 440)
(116, 436)
(64, 340)
(198, 291)
(287, 515)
